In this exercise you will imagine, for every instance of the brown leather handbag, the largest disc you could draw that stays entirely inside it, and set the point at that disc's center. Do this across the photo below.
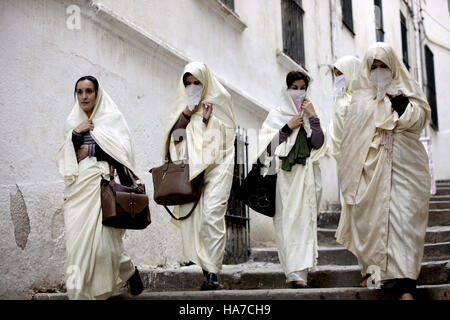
(172, 186)
(124, 207)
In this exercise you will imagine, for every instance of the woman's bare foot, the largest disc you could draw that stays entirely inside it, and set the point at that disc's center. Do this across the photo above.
(364, 282)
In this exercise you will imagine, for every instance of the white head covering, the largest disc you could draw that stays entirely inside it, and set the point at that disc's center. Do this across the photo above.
(197, 133)
(110, 132)
(349, 66)
(280, 116)
(369, 114)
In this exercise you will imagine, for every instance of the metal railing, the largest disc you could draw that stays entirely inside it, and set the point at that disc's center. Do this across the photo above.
(237, 216)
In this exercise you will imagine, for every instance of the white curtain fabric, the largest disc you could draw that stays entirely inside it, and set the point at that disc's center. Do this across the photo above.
(384, 174)
(96, 264)
(210, 149)
(298, 194)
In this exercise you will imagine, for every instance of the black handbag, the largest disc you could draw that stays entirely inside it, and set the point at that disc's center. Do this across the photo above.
(258, 191)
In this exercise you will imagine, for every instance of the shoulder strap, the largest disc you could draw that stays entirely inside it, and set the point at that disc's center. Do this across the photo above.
(186, 216)
(111, 171)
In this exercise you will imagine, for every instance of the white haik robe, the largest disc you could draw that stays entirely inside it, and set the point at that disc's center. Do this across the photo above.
(211, 151)
(349, 66)
(384, 173)
(298, 194)
(96, 264)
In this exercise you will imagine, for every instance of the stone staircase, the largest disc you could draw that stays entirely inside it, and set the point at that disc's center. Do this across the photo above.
(336, 278)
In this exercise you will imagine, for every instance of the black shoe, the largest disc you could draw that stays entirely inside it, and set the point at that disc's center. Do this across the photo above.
(135, 284)
(211, 282)
(299, 285)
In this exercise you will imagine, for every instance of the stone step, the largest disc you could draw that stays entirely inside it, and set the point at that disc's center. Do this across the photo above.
(439, 217)
(429, 292)
(258, 275)
(330, 219)
(439, 205)
(441, 191)
(436, 202)
(438, 234)
(439, 198)
(342, 257)
(326, 237)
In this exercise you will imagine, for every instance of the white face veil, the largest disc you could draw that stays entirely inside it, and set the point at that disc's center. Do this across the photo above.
(110, 132)
(369, 114)
(280, 116)
(349, 66)
(222, 121)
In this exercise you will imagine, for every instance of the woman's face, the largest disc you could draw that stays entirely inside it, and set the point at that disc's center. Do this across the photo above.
(337, 72)
(190, 79)
(378, 64)
(86, 96)
(298, 85)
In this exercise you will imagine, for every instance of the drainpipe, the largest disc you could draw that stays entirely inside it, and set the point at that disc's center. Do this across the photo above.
(331, 4)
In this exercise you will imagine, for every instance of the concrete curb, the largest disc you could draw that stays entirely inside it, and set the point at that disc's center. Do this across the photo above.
(437, 292)
(326, 237)
(330, 219)
(341, 256)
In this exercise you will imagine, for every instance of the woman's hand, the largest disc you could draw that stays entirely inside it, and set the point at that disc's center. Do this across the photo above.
(85, 126)
(309, 108)
(189, 112)
(82, 153)
(295, 122)
(207, 109)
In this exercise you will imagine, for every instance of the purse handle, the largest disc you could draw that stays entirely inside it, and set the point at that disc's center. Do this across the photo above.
(135, 177)
(186, 216)
(168, 160)
(167, 157)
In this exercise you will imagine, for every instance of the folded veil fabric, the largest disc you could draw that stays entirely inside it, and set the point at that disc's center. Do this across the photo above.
(110, 132)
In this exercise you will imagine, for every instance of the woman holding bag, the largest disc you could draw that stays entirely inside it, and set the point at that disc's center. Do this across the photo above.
(292, 136)
(95, 134)
(201, 129)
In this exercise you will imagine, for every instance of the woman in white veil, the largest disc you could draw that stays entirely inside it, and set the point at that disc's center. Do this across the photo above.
(346, 70)
(95, 134)
(201, 128)
(292, 140)
(384, 175)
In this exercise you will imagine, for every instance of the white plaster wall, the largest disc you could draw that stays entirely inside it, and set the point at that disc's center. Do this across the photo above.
(437, 23)
(39, 69)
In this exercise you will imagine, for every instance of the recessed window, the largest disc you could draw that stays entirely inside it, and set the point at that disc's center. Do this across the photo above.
(293, 39)
(228, 3)
(379, 20)
(431, 87)
(347, 14)
(404, 29)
